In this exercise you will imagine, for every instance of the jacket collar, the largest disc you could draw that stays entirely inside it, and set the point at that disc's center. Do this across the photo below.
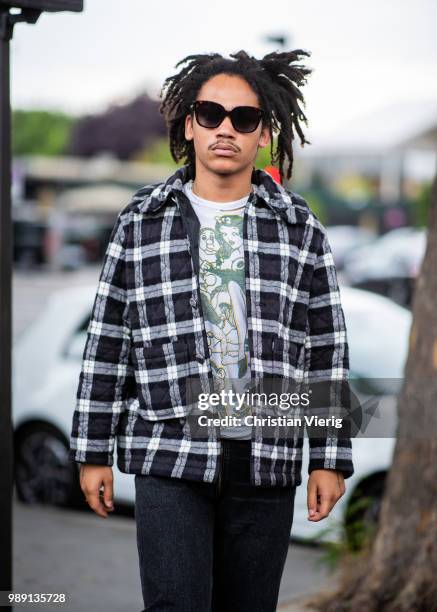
(283, 202)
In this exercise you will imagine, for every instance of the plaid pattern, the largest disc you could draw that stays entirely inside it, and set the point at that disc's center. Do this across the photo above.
(146, 335)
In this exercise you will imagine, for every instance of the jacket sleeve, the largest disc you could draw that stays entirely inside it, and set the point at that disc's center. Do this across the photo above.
(327, 365)
(106, 380)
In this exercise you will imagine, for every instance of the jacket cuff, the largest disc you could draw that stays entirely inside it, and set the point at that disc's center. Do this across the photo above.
(345, 467)
(327, 456)
(91, 456)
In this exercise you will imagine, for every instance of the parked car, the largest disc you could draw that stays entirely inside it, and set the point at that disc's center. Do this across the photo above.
(378, 353)
(46, 365)
(389, 265)
(28, 242)
(344, 238)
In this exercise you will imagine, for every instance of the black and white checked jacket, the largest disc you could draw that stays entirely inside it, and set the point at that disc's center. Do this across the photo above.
(146, 335)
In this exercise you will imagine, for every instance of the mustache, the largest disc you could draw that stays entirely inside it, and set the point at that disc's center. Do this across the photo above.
(225, 142)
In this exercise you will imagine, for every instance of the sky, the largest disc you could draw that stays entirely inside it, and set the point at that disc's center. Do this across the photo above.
(364, 55)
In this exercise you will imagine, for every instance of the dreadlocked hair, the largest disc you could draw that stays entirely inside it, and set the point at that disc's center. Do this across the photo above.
(275, 79)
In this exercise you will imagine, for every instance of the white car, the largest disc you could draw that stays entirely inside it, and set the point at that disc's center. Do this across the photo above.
(389, 265)
(396, 254)
(344, 238)
(46, 365)
(378, 331)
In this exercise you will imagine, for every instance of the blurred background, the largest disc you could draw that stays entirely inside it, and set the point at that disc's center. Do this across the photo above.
(87, 133)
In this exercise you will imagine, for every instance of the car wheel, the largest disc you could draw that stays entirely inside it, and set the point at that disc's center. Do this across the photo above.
(362, 513)
(42, 471)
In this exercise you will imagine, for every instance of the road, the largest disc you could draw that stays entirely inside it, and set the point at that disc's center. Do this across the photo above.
(95, 561)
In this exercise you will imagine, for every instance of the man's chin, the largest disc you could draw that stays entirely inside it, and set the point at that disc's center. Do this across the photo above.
(224, 167)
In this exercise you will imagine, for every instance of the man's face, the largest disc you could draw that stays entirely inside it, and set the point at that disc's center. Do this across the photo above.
(229, 91)
(232, 236)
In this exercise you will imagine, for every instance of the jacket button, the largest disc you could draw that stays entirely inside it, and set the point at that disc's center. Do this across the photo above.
(193, 302)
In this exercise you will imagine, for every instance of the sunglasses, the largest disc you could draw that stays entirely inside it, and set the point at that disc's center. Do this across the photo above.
(243, 118)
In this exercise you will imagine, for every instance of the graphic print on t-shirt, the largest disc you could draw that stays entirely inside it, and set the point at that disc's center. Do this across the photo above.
(223, 297)
(221, 276)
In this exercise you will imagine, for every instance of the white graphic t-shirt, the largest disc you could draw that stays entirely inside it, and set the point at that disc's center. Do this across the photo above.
(222, 289)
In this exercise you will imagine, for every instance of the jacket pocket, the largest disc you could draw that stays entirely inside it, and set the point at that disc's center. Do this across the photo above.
(166, 378)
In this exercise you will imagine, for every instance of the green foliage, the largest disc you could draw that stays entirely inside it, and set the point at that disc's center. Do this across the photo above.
(39, 132)
(263, 157)
(157, 153)
(419, 207)
(316, 204)
(358, 532)
(355, 535)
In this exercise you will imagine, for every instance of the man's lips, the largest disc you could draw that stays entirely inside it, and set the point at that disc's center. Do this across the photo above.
(224, 149)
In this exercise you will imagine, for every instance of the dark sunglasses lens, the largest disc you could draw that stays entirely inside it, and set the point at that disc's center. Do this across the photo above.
(246, 119)
(209, 114)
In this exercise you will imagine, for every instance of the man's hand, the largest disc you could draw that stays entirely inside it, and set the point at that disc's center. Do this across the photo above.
(325, 487)
(93, 478)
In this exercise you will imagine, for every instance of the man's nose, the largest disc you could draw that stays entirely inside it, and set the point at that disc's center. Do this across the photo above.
(226, 129)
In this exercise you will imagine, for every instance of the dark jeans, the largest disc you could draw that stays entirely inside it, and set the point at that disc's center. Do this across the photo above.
(207, 547)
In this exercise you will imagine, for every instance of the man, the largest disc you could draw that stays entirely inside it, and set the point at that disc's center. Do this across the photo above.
(217, 273)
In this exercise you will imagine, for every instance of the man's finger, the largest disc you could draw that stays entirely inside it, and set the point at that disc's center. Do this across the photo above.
(312, 499)
(96, 504)
(325, 506)
(108, 493)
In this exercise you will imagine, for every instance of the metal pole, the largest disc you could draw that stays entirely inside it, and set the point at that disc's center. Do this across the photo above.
(6, 448)
(7, 21)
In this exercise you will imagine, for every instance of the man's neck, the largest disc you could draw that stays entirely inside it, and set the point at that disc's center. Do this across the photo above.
(221, 187)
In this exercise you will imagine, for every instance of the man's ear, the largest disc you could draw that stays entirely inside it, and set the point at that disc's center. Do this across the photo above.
(189, 128)
(264, 138)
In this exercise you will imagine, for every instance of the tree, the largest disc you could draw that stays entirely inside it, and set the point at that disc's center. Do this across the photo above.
(123, 129)
(400, 572)
(40, 132)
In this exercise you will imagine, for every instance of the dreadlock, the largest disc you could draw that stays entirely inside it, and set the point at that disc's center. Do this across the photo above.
(275, 79)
